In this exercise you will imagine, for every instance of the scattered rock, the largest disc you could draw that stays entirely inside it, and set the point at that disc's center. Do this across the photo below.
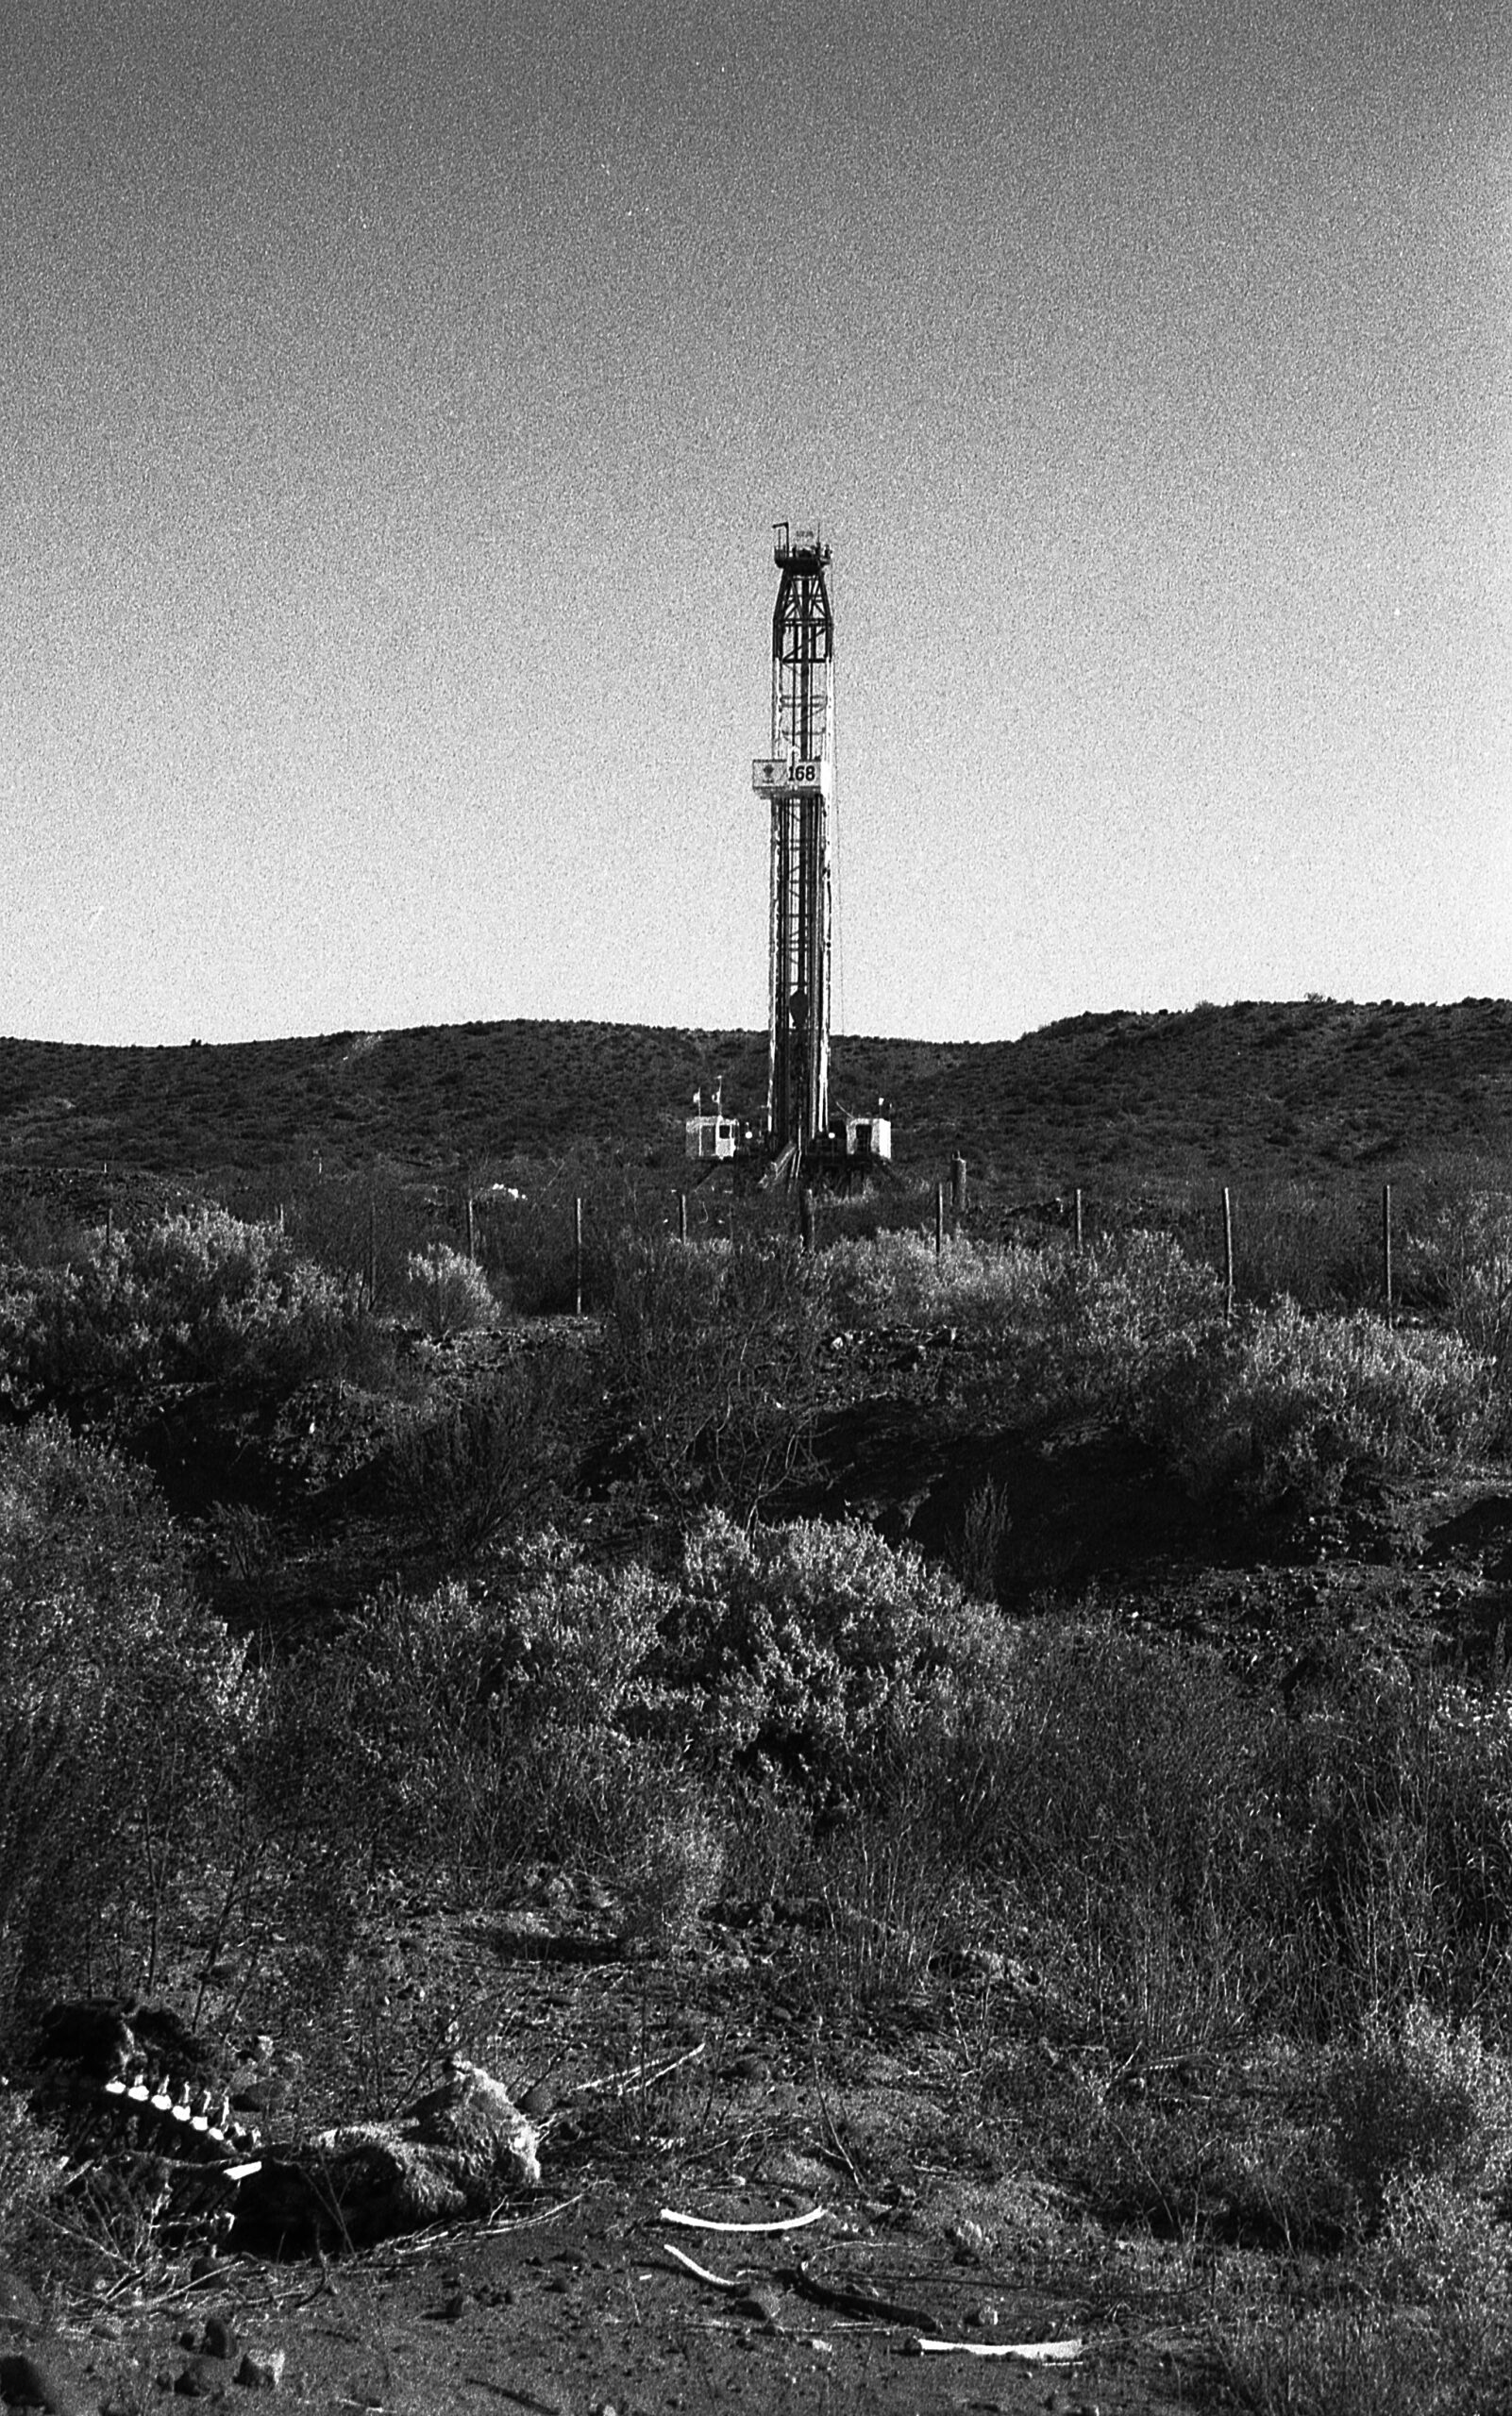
(261, 2097)
(99, 2037)
(20, 2308)
(261, 2369)
(202, 2378)
(761, 2305)
(33, 2380)
(220, 2337)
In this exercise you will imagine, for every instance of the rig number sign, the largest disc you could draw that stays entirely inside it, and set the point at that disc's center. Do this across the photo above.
(772, 779)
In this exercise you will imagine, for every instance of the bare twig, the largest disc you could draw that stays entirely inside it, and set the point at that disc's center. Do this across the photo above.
(841, 2149)
(423, 2244)
(842, 2299)
(637, 2076)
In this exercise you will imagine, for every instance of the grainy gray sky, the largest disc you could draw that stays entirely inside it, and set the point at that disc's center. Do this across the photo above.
(398, 394)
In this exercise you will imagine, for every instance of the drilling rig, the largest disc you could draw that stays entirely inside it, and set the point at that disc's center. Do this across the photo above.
(797, 777)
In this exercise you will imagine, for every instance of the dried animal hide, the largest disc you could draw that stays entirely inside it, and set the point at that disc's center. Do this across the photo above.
(457, 2153)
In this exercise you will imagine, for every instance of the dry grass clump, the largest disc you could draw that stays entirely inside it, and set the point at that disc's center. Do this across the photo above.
(671, 1866)
(1355, 2360)
(892, 1904)
(1417, 2099)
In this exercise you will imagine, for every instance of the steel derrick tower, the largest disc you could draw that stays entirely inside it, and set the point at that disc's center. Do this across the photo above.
(799, 1136)
(799, 777)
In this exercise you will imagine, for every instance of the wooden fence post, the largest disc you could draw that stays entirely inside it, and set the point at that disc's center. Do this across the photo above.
(683, 1216)
(939, 1219)
(1385, 1251)
(1080, 1231)
(371, 1252)
(958, 1185)
(807, 1219)
(472, 1253)
(1228, 1255)
(576, 1255)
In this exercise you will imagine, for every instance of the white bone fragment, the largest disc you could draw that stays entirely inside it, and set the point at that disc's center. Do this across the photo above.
(717, 2280)
(1032, 2353)
(703, 2223)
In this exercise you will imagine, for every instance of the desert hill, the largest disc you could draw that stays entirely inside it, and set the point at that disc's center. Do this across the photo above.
(1306, 1089)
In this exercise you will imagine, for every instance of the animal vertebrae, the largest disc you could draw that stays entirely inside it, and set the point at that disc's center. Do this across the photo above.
(102, 2080)
(455, 2153)
(219, 2139)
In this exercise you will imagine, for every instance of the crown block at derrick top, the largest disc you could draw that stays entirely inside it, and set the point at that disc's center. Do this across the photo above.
(803, 546)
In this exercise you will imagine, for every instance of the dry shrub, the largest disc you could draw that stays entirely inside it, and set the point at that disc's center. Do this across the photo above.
(119, 1703)
(449, 1292)
(196, 1298)
(715, 1351)
(1114, 1328)
(31, 2169)
(820, 1654)
(1419, 2098)
(1308, 1398)
(1463, 1265)
(494, 1464)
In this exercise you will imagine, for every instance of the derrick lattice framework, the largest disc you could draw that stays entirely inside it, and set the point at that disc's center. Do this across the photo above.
(799, 777)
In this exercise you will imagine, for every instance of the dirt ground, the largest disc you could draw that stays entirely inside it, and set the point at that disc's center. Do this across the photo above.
(720, 2085)
(582, 2310)
(579, 2303)
(735, 2082)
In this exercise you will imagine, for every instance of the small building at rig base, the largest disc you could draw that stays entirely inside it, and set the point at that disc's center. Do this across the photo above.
(711, 1136)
